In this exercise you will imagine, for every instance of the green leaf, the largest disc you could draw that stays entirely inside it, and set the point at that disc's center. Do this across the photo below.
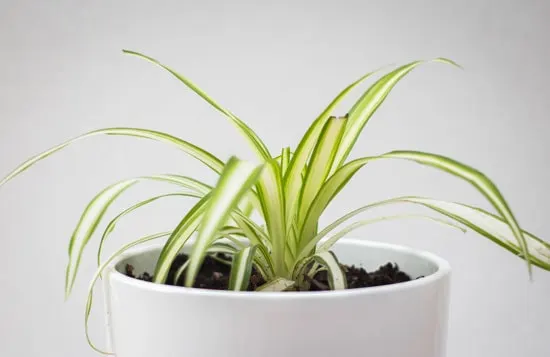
(217, 247)
(478, 180)
(237, 178)
(326, 193)
(256, 142)
(112, 224)
(242, 268)
(205, 157)
(263, 261)
(251, 230)
(96, 209)
(229, 232)
(336, 276)
(338, 180)
(98, 274)
(272, 200)
(186, 227)
(87, 225)
(491, 226)
(285, 160)
(276, 285)
(180, 271)
(333, 239)
(321, 161)
(225, 248)
(293, 176)
(369, 102)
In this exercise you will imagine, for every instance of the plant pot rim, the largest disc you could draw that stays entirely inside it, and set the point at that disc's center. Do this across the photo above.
(443, 270)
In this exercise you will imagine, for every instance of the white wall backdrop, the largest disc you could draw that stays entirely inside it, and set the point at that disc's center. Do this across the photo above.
(277, 65)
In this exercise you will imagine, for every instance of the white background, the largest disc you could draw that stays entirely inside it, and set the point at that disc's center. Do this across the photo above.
(276, 65)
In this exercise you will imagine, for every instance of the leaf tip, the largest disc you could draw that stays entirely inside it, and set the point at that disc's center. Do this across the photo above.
(448, 61)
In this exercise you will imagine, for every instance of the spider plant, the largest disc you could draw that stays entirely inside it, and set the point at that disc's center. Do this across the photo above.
(288, 190)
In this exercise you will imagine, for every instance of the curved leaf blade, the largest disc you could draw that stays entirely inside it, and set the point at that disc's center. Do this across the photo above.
(256, 142)
(333, 239)
(236, 180)
(98, 274)
(336, 276)
(202, 155)
(96, 209)
(481, 182)
(112, 224)
(490, 226)
(369, 102)
(87, 225)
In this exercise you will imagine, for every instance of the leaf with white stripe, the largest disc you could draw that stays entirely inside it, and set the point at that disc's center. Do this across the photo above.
(242, 268)
(321, 162)
(96, 209)
(491, 226)
(293, 175)
(334, 238)
(369, 102)
(272, 200)
(478, 180)
(202, 155)
(255, 141)
(87, 225)
(236, 180)
(112, 224)
(99, 273)
(336, 276)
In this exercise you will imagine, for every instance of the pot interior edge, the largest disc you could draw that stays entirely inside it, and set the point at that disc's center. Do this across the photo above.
(368, 255)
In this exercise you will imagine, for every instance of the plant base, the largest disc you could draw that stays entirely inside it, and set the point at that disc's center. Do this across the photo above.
(214, 275)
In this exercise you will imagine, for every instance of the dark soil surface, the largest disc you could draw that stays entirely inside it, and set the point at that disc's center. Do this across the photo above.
(214, 275)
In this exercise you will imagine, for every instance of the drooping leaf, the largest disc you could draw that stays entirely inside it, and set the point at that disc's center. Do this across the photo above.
(112, 224)
(254, 140)
(87, 225)
(205, 157)
(481, 182)
(327, 245)
(237, 178)
(99, 273)
(96, 209)
(484, 223)
(491, 226)
(241, 268)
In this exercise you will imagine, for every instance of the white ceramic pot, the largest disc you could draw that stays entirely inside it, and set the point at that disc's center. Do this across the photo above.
(401, 320)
